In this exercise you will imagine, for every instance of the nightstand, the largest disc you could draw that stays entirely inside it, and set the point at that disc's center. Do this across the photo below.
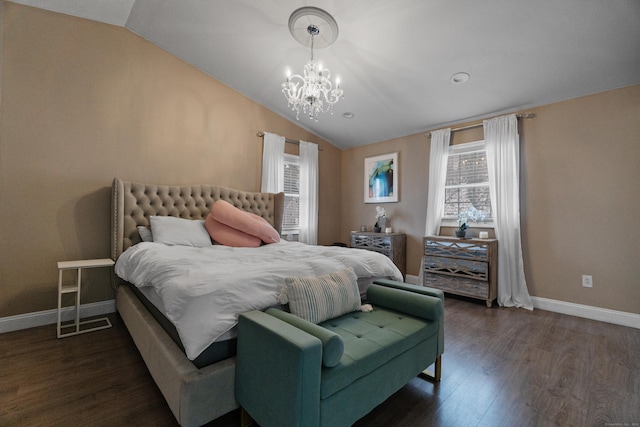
(393, 245)
(76, 288)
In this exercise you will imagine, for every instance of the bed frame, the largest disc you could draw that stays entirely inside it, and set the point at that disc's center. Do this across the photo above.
(195, 396)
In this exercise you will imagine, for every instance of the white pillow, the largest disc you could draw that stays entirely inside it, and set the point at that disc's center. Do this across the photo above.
(179, 231)
(145, 233)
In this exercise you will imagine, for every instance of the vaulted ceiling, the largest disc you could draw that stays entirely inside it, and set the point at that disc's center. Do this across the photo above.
(395, 59)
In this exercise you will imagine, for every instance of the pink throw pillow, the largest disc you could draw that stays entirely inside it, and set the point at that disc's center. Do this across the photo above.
(228, 236)
(246, 222)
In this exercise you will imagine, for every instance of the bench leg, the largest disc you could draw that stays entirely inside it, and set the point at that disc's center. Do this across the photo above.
(435, 376)
(245, 419)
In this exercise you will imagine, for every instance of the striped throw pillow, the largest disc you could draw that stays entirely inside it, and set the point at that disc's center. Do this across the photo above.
(321, 298)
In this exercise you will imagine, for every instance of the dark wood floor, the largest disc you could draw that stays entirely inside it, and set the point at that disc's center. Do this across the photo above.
(501, 367)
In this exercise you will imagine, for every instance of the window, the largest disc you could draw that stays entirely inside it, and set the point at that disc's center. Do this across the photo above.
(467, 183)
(291, 217)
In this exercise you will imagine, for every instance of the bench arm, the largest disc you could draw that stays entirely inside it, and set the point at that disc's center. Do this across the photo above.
(431, 293)
(424, 290)
(417, 305)
(278, 371)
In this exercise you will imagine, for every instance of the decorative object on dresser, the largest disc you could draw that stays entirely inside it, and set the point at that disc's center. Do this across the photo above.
(468, 267)
(470, 215)
(461, 232)
(381, 220)
(392, 245)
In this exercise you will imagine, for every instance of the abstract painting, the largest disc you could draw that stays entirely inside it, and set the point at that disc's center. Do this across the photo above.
(381, 178)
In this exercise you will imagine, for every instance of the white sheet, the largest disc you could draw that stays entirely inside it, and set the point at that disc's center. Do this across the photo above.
(204, 289)
(152, 296)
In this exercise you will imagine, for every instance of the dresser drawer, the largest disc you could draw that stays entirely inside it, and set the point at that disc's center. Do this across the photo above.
(457, 249)
(379, 243)
(458, 285)
(478, 270)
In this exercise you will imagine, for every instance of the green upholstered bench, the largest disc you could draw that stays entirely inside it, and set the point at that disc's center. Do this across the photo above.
(291, 372)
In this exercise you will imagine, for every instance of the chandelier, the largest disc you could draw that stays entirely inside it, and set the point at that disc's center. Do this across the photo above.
(312, 93)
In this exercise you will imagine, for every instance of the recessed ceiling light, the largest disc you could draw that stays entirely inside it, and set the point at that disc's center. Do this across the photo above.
(459, 78)
(348, 115)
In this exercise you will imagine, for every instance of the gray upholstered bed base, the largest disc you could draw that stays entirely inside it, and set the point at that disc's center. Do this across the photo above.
(195, 396)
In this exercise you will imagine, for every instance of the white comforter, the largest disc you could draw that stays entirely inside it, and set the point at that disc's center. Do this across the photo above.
(204, 289)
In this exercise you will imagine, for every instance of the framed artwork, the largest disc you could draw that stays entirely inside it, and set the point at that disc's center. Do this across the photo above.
(381, 178)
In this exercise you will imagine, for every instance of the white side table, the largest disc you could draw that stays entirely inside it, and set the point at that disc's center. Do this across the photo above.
(66, 289)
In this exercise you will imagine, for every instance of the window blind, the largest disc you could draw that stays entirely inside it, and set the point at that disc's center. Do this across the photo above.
(467, 182)
(291, 217)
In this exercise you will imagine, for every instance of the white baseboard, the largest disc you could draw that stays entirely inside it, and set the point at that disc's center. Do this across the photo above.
(47, 317)
(586, 311)
(623, 318)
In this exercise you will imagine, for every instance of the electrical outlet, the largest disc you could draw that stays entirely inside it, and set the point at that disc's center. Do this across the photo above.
(587, 281)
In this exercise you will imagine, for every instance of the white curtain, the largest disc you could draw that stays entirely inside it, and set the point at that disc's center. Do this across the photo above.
(502, 143)
(272, 163)
(308, 193)
(437, 175)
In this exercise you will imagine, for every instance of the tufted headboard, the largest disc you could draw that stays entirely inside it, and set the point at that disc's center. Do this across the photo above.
(133, 203)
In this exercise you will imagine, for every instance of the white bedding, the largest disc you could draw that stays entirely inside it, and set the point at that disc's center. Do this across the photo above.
(204, 289)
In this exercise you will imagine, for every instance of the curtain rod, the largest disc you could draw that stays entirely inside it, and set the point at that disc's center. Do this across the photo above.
(290, 141)
(477, 125)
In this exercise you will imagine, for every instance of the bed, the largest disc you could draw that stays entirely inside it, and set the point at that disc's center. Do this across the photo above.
(198, 389)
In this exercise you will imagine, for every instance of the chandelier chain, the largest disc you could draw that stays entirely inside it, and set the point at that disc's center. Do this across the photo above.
(312, 36)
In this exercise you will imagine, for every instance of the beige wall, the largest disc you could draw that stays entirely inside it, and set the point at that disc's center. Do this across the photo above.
(581, 172)
(580, 199)
(84, 102)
